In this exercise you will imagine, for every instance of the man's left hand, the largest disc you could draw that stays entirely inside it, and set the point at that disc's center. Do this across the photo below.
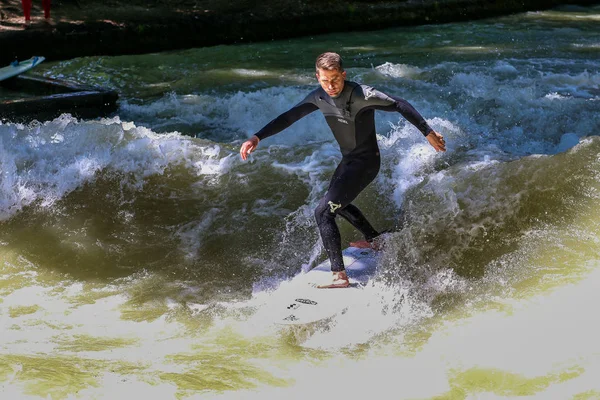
(437, 141)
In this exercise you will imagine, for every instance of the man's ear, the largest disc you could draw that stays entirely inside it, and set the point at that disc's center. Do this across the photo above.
(344, 74)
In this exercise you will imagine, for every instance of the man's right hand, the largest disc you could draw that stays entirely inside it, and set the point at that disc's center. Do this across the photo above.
(248, 147)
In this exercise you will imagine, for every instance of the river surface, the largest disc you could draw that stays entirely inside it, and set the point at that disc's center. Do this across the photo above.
(137, 251)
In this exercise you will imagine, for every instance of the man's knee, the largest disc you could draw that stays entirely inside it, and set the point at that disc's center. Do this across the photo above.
(326, 210)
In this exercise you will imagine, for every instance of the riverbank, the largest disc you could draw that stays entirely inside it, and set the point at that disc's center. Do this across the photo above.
(85, 28)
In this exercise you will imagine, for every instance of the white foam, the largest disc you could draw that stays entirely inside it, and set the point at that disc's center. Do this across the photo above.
(537, 339)
(399, 70)
(231, 116)
(44, 162)
(504, 67)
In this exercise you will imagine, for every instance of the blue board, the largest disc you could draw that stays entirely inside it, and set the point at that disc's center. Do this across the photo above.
(15, 68)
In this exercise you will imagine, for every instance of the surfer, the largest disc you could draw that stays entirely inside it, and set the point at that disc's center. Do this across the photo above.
(349, 109)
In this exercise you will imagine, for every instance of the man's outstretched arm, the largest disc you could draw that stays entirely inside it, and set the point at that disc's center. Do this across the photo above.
(277, 125)
(412, 115)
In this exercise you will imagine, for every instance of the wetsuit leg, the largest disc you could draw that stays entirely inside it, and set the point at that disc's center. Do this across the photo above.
(26, 9)
(349, 179)
(352, 214)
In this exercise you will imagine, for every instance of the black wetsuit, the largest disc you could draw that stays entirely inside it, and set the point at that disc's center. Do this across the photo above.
(351, 117)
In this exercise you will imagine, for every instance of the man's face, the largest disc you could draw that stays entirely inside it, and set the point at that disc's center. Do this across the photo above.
(332, 81)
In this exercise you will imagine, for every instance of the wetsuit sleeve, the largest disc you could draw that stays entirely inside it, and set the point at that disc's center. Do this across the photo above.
(286, 119)
(384, 102)
(411, 114)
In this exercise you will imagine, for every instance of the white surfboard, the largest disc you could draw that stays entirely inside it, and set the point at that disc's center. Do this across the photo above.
(15, 68)
(299, 301)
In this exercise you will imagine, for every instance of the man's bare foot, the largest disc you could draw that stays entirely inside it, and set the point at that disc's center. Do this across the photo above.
(340, 280)
(363, 244)
(27, 24)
